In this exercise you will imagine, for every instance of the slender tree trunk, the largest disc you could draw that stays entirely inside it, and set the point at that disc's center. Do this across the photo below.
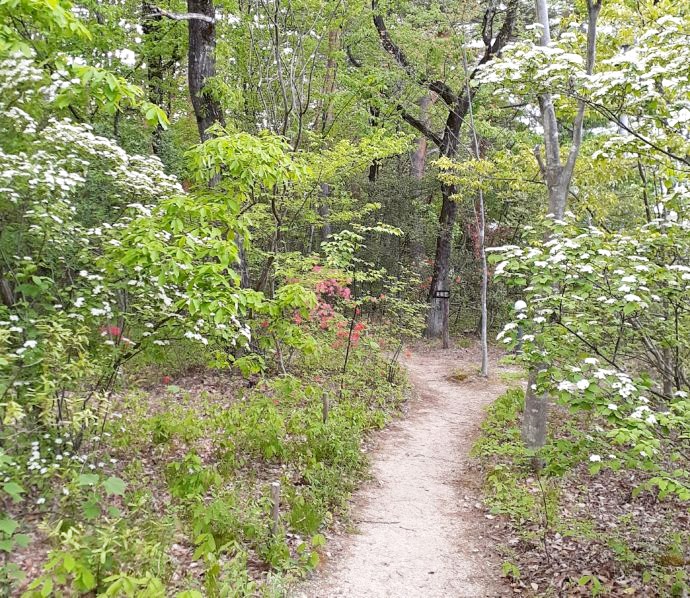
(485, 286)
(202, 66)
(375, 165)
(418, 163)
(154, 66)
(325, 114)
(324, 211)
(439, 310)
(558, 178)
(480, 215)
(207, 109)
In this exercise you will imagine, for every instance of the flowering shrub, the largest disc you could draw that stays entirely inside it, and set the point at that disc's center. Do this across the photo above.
(606, 321)
(82, 292)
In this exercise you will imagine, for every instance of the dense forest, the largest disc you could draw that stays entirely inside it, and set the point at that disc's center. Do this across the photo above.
(226, 227)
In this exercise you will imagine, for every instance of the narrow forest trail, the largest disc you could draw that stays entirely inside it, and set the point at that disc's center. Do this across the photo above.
(422, 532)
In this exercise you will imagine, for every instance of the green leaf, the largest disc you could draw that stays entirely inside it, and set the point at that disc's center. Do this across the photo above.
(87, 479)
(21, 540)
(14, 490)
(8, 526)
(114, 486)
(68, 563)
(88, 579)
(91, 509)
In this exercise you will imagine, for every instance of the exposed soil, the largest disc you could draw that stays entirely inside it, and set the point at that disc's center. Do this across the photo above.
(422, 530)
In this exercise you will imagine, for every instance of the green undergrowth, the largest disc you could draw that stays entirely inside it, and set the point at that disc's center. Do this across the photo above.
(570, 528)
(192, 511)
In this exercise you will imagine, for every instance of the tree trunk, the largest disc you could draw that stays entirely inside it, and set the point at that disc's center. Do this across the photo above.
(418, 164)
(325, 113)
(207, 109)
(6, 292)
(439, 307)
(154, 66)
(324, 211)
(375, 165)
(324, 110)
(480, 214)
(419, 155)
(202, 66)
(535, 416)
(558, 177)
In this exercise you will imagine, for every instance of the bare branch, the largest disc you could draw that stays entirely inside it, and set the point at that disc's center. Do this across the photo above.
(540, 160)
(189, 16)
(353, 61)
(614, 118)
(420, 126)
(593, 9)
(439, 87)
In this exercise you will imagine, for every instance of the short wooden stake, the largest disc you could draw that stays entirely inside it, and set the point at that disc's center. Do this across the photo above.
(275, 508)
(326, 407)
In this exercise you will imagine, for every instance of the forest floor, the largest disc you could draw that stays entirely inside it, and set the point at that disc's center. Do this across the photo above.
(422, 530)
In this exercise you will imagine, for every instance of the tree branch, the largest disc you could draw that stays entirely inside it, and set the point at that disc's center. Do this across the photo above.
(420, 126)
(354, 61)
(439, 87)
(540, 161)
(189, 16)
(593, 10)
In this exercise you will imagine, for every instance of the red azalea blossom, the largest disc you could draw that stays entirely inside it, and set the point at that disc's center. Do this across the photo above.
(111, 330)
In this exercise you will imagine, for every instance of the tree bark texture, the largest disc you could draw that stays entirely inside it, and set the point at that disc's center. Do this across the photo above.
(207, 109)
(154, 66)
(202, 66)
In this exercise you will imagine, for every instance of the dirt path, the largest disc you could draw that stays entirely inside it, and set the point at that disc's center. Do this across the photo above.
(422, 532)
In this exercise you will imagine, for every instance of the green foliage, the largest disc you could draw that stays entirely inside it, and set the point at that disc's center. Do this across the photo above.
(632, 296)
(189, 478)
(266, 254)
(105, 556)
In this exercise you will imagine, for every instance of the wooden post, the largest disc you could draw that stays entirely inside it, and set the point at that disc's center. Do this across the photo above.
(326, 407)
(275, 508)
